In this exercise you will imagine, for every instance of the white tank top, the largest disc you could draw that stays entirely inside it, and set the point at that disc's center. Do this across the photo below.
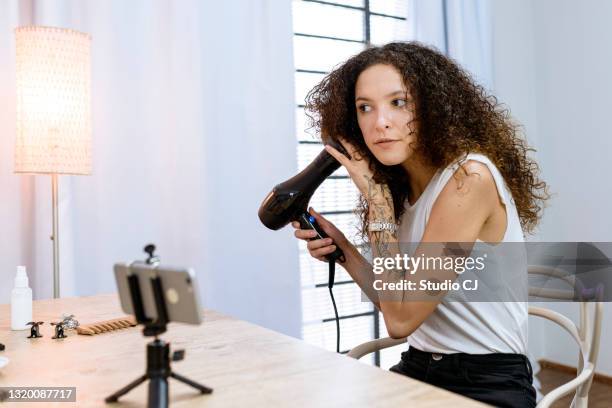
(468, 327)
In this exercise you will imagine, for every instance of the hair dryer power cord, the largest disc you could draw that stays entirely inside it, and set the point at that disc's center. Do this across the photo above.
(330, 285)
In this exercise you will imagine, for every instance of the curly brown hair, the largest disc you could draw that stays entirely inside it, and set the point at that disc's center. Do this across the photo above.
(454, 117)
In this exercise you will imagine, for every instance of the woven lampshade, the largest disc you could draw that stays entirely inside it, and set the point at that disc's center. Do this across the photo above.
(53, 71)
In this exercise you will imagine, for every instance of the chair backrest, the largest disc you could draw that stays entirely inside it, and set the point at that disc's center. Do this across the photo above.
(586, 333)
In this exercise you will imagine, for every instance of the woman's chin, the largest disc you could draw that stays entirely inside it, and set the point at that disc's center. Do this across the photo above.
(391, 159)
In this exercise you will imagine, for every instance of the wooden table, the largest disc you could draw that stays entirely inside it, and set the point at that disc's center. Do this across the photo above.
(245, 364)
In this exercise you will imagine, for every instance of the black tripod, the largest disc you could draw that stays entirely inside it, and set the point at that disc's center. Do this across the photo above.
(158, 351)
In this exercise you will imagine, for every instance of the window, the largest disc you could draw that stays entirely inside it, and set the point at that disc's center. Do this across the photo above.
(326, 33)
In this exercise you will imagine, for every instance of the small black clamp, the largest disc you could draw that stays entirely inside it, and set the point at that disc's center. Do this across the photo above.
(35, 330)
(178, 355)
(152, 258)
(59, 331)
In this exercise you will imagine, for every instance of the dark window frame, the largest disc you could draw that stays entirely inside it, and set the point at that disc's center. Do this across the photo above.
(368, 13)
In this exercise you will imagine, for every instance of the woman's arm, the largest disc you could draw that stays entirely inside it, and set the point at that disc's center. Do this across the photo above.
(459, 213)
(457, 216)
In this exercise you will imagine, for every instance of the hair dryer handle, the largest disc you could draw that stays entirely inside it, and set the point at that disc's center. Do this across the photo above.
(307, 221)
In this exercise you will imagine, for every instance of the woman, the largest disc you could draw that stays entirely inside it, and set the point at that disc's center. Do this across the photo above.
(435, 160)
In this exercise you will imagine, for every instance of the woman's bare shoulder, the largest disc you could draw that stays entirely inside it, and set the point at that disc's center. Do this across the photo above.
(473, 177)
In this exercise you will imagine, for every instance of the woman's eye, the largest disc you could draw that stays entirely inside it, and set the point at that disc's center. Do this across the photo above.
(399, 102)
(364, 108)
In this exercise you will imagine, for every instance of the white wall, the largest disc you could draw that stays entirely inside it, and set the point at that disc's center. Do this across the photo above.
(553, 67)
(193, 124)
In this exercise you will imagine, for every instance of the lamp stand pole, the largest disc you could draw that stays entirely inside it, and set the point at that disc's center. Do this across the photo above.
(55, 238)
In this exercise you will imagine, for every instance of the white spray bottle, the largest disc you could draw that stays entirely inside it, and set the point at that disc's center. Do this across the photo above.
(21, 301)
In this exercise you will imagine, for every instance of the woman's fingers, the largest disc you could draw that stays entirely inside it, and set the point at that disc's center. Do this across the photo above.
(321, 252)
(319, 243)
(329, 228)
(350, 149)
(357, 166)
(342, 159)
(305, 234)
(318, 248)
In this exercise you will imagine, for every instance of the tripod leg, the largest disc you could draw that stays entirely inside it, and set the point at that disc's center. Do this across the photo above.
(200, 387)
(158, 392)
(126, 389)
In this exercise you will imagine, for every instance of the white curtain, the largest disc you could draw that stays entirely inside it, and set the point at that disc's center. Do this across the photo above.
(462, 29)
(193, 123)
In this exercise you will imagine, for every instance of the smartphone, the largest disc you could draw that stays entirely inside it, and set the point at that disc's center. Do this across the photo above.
(179, 288)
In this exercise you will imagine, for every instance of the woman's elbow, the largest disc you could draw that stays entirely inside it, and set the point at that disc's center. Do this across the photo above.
(398, 330)
(403, 322)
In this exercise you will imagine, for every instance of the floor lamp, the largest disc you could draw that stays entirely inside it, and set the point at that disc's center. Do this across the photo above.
(53, 74)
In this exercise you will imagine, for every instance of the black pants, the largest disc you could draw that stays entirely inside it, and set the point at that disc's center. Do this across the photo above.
(502, 380)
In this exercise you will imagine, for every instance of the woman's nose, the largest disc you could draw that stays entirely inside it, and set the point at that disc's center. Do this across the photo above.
(382, 120)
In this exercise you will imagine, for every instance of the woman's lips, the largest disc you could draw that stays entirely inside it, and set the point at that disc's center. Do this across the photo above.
(385, 143)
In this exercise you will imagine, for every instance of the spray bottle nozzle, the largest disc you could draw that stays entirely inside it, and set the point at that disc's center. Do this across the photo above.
(21, 279)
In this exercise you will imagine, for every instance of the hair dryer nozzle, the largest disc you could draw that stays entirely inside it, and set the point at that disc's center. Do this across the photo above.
(288, 200)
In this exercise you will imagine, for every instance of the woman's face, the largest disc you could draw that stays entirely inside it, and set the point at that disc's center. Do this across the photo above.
(384, 109)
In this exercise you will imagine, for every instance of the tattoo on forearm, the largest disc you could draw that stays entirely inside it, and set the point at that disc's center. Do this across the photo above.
(384, 243)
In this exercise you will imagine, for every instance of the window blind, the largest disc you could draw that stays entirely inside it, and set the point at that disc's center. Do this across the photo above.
(326, 33)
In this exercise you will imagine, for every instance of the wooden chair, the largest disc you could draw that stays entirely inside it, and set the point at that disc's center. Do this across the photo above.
(586, 334)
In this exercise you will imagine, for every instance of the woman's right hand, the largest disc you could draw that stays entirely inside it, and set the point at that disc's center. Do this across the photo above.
(321, 247)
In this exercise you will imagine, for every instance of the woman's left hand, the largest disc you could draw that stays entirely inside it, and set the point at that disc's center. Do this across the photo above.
(358, 168)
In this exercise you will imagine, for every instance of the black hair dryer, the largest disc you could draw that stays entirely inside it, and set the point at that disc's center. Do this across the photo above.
(288, 201)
